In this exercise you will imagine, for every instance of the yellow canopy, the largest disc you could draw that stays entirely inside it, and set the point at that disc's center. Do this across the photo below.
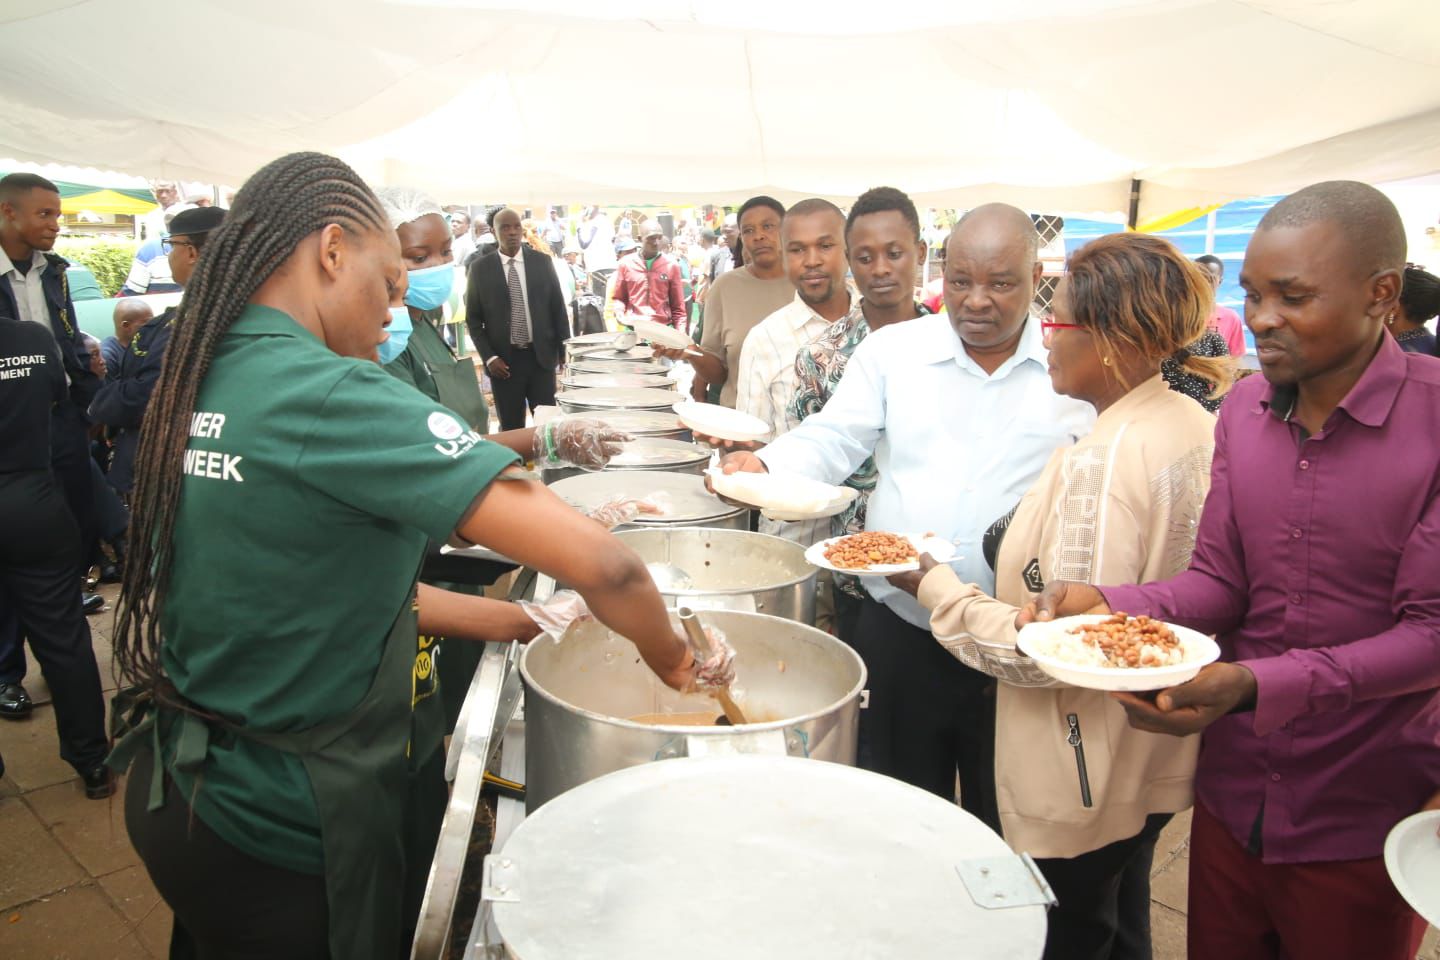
(107, 201)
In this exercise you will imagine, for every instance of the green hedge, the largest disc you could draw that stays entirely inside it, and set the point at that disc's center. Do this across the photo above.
(109, 260)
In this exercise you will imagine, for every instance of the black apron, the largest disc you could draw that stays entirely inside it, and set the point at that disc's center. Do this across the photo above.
(360, 769)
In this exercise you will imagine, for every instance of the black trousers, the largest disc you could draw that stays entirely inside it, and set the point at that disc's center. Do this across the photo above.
(847, 615)
(929, 717)
(1104, 899)
(530, 384)
(227, 904)
(12, 647)
(39, 579)
(71, 461)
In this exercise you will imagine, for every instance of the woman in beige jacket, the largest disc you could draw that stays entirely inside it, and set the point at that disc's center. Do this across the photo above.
(1078, 788)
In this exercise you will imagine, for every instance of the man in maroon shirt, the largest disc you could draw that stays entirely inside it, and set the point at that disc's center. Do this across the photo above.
(649, 283)
(1315, 566)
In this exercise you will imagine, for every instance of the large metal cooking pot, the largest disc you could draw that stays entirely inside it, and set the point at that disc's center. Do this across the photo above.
(729, 570)
(587, 363)
(646, 423)
(799, 685)
(686, 501)
(589, 401)
(645, 453)
(614, 381)
(766, 858)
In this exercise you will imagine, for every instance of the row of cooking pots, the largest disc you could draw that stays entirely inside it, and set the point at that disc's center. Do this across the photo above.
(802, 685)
(596, 718)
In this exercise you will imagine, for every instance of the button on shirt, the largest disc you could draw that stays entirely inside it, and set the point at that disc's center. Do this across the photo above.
(519, 261)
(1316, 564)
(955, 447)
(766, 388)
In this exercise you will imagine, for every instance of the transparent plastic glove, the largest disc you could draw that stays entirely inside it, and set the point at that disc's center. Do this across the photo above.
(715, 665)
(555, 615)
(620, 510)
(577, 441)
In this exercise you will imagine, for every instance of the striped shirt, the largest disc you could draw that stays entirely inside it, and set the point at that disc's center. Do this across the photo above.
(767, 383)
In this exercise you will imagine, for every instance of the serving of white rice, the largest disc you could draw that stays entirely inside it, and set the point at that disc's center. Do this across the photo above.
(1077, 649)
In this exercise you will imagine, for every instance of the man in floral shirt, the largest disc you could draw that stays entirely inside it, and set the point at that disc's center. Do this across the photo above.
(882, 238)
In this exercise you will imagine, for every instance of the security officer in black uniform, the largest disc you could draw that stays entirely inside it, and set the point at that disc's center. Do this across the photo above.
(40, 549)
(122, 399)
(34, 289)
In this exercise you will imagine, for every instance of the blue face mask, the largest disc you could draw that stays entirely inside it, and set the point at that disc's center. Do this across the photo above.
(430, 287)
(399, 334)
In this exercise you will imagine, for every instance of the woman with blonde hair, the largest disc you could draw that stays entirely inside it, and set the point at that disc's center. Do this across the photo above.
(1078, 788)
(530, 236)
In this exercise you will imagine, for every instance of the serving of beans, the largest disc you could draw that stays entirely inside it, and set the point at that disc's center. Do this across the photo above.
(861, 550)
(1133, 641)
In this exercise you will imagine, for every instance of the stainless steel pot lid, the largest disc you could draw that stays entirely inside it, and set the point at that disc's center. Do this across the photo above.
(587, 339)
(633, 355)
(642, 422)
(587, 363)
(615, 381)
(685, 499)
(617, 399)
(772, 851)
(656, 453)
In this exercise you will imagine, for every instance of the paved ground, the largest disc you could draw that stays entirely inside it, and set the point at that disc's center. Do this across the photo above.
(72, 887)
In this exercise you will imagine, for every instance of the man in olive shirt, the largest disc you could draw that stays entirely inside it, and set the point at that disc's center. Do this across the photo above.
(740, 299)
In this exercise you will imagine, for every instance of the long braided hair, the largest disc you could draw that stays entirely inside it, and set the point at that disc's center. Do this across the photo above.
(283, 203)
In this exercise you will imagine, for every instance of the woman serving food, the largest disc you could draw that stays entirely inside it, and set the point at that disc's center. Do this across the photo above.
(416, 353)
(286, 489)
(1078, 788)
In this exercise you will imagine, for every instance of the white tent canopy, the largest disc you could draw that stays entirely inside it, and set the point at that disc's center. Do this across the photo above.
(1052, 104)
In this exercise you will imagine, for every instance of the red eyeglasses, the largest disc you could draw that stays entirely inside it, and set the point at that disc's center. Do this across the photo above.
(1047, 325)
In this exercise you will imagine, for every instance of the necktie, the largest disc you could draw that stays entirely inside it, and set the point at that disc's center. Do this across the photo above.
(519, 329)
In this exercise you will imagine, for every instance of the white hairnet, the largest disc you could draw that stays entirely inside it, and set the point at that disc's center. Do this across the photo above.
(405, 205)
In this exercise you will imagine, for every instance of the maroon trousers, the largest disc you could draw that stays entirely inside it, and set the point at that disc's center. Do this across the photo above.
(1243, 909)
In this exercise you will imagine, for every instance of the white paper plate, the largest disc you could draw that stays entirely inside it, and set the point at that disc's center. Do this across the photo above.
(1033, 636)
(1412, 857)
(781, 497)
(658, 333)
(941, 550)
(714, 420)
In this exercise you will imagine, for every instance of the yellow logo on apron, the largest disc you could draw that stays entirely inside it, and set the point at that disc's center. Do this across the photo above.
(424, 680)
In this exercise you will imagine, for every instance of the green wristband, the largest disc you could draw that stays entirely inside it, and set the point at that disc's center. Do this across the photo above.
(550, 451)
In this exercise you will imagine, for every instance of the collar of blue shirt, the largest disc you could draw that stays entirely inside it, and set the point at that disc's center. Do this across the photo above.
(946, 345)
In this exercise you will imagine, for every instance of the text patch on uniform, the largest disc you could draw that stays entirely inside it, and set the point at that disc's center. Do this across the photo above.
(211, 464)
(12, 368)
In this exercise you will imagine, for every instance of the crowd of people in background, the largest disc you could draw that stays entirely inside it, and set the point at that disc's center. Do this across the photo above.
(1093, 453)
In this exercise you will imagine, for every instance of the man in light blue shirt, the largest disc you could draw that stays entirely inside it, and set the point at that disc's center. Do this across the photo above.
(961, 417)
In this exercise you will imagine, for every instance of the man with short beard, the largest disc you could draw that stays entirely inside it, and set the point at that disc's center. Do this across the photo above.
(739, 300)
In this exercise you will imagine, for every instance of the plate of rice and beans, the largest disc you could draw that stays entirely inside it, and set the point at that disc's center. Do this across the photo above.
(877, 554)
(1117, 651)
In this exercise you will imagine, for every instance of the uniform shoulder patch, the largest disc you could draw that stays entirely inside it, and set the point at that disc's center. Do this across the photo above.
(444, 426)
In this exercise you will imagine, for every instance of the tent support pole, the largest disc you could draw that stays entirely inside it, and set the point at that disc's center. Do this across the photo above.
(1133, 220)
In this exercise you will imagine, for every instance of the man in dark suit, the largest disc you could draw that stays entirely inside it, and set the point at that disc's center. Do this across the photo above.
(517, 319)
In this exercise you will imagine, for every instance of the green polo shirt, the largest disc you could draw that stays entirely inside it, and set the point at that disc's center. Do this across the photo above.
(311, 484)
